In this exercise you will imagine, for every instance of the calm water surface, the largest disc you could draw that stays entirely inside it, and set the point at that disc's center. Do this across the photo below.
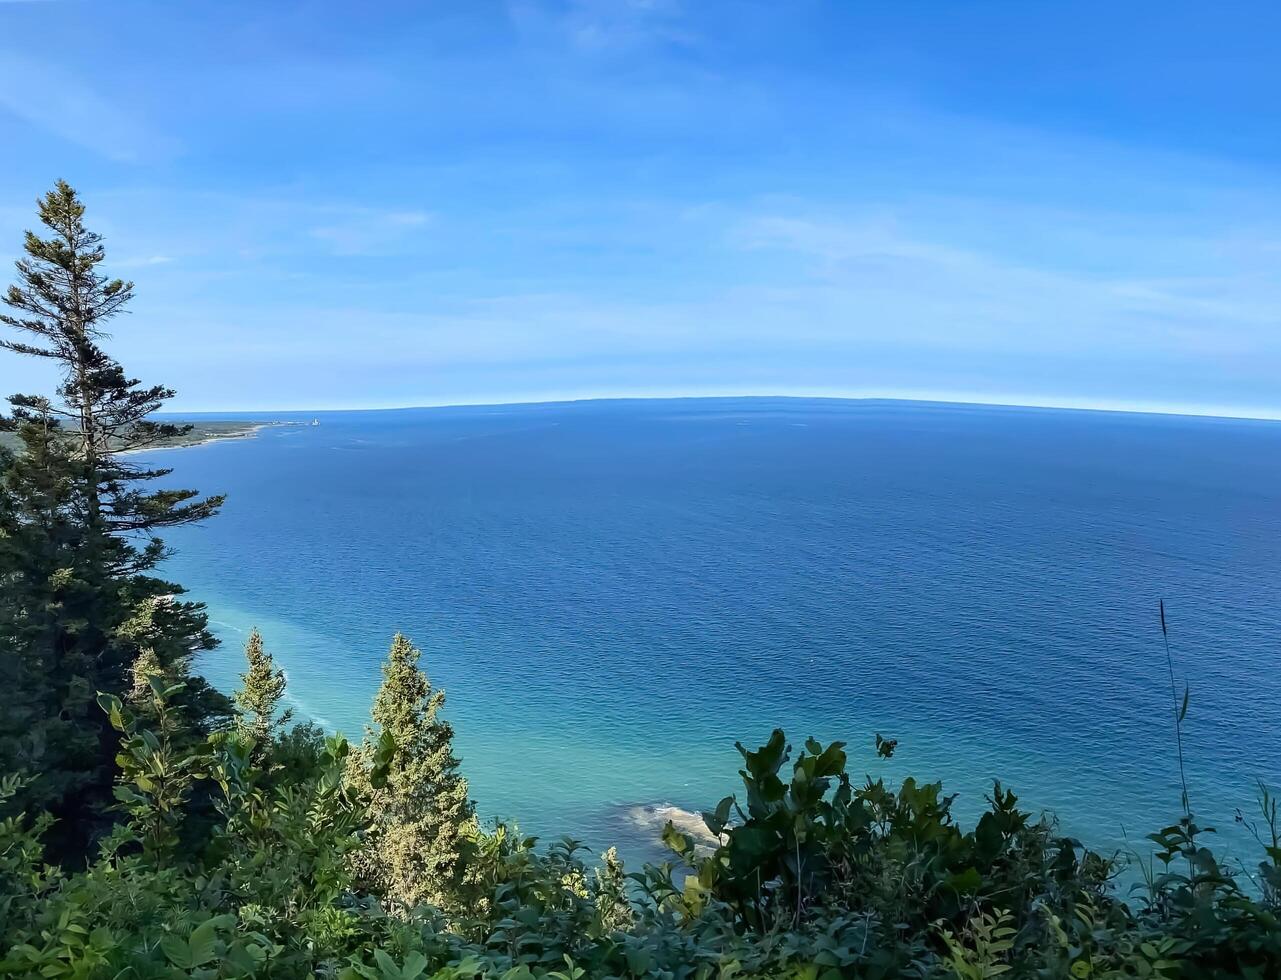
(612, 593)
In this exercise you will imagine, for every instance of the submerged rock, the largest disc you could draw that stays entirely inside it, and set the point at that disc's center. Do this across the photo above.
(653, 817)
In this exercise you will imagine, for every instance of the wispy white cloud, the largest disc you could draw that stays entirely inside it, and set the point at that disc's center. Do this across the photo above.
(369, 232)
(896, 297)
(140, 261)
(52, 99)
(149, 225)
(538, 214)
(880, 275)
(602, 25)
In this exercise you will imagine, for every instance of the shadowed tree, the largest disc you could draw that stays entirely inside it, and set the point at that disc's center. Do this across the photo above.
(46, 602)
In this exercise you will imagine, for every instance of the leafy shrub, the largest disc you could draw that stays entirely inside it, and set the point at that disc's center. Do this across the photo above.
(813, 877)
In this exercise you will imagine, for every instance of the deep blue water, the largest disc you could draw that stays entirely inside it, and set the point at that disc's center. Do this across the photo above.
(612, 593)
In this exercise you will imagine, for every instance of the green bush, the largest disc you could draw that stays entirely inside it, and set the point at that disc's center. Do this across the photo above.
(813, 877)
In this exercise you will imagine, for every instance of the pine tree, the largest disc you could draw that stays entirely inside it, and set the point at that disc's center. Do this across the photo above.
(421, 813)
(262, 686)
(81, 610)
(48, 724)
(63, 302)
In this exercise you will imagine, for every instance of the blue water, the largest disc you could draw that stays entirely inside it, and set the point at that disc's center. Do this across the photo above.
(612, 593)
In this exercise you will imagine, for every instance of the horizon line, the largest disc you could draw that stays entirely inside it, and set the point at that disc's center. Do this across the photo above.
(1226, 413)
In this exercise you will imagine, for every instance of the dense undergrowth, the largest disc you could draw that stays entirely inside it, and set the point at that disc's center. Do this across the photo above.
(238, 858)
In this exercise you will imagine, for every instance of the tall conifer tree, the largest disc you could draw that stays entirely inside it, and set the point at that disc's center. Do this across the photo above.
(262, 686)
(61, 305)
(80, 522)
(422, 811)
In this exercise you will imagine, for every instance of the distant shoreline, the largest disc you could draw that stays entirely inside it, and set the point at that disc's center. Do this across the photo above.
(202, 434)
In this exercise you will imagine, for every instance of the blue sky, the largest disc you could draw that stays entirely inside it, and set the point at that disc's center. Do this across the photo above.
(351, 205)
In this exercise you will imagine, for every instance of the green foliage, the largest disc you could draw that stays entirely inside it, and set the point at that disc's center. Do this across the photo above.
(414, 852)
(50, 603)
(886, 885)
(613, 906)
(80, 611)
(262, 686)
(155, 778)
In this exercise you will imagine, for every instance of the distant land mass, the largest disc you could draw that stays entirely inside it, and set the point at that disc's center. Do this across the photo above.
(201, 432)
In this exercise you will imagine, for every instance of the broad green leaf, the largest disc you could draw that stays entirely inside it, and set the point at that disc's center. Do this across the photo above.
(176, 951)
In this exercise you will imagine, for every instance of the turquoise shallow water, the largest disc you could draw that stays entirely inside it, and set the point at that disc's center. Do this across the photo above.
(613, 592)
